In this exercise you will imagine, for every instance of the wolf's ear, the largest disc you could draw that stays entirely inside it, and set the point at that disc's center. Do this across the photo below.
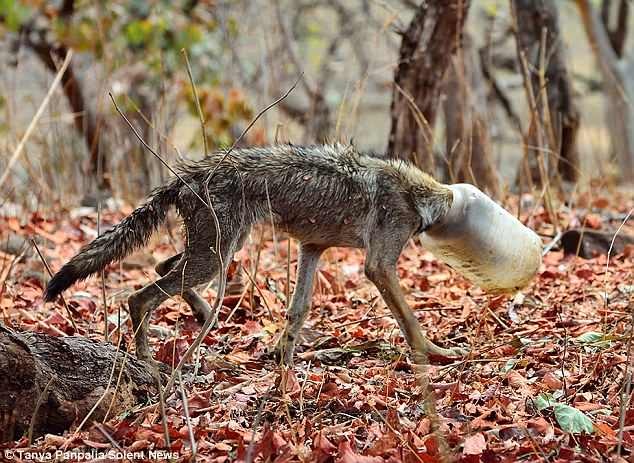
(432, 206)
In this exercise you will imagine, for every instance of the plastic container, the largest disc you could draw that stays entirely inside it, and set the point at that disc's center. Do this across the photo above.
(484, 242)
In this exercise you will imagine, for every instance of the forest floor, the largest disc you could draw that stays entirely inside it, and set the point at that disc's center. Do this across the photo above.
(543, 380)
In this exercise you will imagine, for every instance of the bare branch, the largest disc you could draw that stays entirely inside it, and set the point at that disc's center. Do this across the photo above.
(616, 35)
(67, 8)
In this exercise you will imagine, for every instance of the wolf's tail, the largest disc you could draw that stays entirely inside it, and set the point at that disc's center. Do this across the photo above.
(131, 233)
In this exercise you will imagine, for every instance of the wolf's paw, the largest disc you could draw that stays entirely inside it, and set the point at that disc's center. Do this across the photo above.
(202, 316)
(458, 352)
(282, 353)
(450, 353)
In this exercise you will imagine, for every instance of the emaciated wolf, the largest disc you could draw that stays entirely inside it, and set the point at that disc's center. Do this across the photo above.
(323, 196)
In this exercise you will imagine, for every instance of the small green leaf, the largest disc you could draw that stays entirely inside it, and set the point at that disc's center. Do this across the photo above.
(590, 337)
(13, 14)
(138, 32)
(189, 36)
(509, 365)
(595, 340)
(544, 400)
(572, 420)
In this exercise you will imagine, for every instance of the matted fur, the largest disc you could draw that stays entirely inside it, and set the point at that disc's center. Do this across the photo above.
(326, 195)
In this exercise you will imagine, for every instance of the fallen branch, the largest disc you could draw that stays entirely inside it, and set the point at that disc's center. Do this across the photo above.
(56, 382)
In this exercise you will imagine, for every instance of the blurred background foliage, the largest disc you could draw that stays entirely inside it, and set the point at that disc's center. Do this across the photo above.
(244, 54)
(139, 46)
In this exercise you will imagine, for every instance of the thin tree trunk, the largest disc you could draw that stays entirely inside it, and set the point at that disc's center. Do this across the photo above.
(617, 34)
(433, 35)
(468, 143)
(315, 118)
(86, 123)
(619, 88)
(84, 118)
(555, 119)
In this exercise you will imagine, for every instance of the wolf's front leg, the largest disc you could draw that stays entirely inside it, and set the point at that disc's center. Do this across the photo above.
(300, 304)
(381, 270)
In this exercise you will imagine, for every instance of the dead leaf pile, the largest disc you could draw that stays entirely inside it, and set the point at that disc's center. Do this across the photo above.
(545, 378)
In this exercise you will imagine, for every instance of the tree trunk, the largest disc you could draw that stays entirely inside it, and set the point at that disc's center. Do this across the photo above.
(316, 116)
(432, 37)
(67, 377)
(84, 118)
(617, 34)
(619, 88)
(468, 144)
(555, 117)
(85, 121)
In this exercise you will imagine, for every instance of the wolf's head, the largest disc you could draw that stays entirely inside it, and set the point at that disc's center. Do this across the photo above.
(432, 201)
(430, 198)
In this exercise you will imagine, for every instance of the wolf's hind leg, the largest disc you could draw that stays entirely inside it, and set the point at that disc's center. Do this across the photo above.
(190, 270)
(300, 304)
(200, 307)
(197, 265)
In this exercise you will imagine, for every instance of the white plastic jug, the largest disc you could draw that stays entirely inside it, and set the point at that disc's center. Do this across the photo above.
(484, 242)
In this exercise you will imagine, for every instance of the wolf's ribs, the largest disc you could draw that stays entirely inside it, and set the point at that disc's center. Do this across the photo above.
(80, 367)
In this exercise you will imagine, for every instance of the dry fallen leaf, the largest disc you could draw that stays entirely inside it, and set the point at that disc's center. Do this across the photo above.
(348, 455)
(474, 444)
(325, 409)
